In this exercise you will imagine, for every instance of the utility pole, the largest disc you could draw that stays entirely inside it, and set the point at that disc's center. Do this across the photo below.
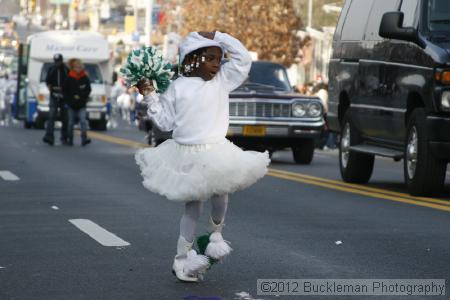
(148, 22)
(136, 13)
(310, 13)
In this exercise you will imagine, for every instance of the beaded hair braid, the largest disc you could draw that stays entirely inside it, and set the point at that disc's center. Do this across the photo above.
(196, 57)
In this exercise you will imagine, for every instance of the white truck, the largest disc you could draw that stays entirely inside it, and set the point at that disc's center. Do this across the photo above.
(37, 57)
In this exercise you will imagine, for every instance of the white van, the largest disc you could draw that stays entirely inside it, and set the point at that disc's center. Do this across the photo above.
(93, 50)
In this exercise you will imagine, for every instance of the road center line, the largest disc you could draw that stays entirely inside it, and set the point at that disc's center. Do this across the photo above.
(323, 182)
(358, 187)
(101, 235)
(9, 176)
(116, 140)
(360, 192)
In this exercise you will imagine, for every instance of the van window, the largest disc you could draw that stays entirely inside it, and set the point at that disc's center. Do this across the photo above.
(379, 8)
(409, 9)
(341, 20)
(92, 70)
(355, 22)
(439, 15)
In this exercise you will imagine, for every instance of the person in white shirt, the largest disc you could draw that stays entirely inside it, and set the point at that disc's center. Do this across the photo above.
(3, 101)
(199, 163)
(124, 102)
(117, 90)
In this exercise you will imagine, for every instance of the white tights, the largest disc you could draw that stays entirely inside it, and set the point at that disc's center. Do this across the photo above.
(193, 210)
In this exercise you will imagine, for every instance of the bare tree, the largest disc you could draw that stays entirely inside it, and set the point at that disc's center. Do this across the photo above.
(268, 27)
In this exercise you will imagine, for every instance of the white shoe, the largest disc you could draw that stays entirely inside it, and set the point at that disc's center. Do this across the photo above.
(217, 248)
(187, 264)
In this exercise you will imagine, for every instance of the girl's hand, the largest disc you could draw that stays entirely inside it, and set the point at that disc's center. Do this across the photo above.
(145, 86)
(208, 35)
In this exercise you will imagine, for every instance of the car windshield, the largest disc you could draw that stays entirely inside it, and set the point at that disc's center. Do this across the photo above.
(439, 15)
(268, 75)
(92, 70)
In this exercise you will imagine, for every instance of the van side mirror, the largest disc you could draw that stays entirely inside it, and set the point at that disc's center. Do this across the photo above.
(391, 28)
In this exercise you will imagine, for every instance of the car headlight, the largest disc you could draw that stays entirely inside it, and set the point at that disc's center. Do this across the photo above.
(298, 110)
(314, 110)
(445, 100)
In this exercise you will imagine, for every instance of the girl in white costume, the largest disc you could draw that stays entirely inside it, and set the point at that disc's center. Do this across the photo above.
(199, 163)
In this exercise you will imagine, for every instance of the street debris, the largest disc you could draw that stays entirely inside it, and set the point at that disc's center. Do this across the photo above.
(245, 296)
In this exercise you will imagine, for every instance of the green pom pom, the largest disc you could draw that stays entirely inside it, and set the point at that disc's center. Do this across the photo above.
(202, 243)
(149, 63)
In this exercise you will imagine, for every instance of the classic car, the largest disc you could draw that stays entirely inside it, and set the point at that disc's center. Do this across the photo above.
(266, 114)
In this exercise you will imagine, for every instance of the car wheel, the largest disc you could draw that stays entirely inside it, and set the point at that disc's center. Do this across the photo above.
(424, 174)
(355, 167)
(304, 153)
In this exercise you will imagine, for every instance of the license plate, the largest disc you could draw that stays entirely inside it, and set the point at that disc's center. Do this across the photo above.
(252, 130)
(95, 115)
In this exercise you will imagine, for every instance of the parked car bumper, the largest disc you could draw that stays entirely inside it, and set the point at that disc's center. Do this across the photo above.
(277, 134)
(438, 128)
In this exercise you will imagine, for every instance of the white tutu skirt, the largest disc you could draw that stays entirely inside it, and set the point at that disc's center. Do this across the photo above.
(197, 172)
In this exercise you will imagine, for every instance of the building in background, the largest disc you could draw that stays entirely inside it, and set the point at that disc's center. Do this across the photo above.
(317, 38)
(9, 8)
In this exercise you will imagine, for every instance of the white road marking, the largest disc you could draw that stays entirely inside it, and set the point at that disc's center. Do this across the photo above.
(7, 175)
(55, 207)
(98, 233)
(2, 267)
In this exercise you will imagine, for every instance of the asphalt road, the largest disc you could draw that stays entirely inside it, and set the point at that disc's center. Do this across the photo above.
(299, 222)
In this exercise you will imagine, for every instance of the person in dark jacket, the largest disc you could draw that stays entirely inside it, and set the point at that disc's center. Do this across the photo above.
(77, 89)
(56, 77)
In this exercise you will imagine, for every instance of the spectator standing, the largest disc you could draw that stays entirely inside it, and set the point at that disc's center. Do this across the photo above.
(117, 90)
(3, 100)
(124, 101)
(56, 78)
(329, 138)
(77, 89)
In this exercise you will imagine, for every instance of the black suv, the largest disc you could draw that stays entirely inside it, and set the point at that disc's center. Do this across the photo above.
(390, 89)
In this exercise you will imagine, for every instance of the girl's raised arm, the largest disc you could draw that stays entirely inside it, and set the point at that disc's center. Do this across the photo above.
(234, 72)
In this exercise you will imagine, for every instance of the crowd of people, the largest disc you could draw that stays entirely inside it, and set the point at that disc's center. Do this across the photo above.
(124, 102)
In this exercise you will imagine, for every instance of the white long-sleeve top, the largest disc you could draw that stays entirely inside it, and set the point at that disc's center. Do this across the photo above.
(197, 110)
